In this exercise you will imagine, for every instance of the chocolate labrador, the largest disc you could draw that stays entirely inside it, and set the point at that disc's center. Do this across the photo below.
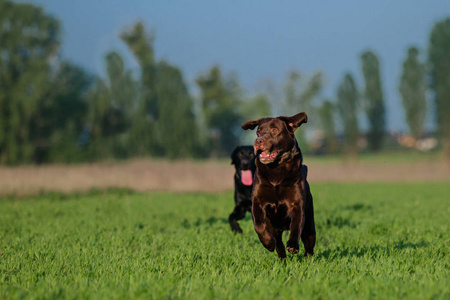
(244, 163)
(281, 197)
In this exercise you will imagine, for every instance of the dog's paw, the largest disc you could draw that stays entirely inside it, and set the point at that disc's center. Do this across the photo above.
(281, 253)
(235, 227)
(293, 247)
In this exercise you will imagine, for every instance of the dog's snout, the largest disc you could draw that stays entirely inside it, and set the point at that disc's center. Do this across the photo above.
(259, 143)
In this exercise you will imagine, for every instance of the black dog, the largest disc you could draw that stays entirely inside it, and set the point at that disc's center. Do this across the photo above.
(243, 158)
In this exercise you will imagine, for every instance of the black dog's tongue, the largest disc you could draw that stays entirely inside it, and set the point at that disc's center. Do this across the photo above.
(246, 177)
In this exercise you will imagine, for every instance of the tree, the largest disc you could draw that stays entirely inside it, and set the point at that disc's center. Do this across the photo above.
(176, 124)
(62, 120)
(439, 58)
(29, 41)
(122, 86)
(220, 100)
(299, 95)
(326, 114)
(413, 91)
(300, 92)
(143, 126)
(124, 97)
(291, 92)
(254, 108)
(347, 106)
(374, 101)
(42, 105)
(112, 105)
(164, 122)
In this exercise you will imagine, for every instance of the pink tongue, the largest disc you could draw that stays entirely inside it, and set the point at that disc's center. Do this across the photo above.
(246, 177)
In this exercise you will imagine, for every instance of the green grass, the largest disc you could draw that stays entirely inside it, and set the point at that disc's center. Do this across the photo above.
(383, 241)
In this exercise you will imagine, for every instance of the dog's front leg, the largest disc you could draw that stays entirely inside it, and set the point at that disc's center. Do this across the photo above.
(296, 214)
(262, 226)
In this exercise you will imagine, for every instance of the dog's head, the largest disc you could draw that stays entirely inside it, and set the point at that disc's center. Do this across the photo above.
(243, 160)
(275, 136)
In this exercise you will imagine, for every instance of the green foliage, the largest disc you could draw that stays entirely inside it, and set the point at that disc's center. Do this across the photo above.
(374, 101)
(257, 107)
(347, 105)
(141, 45)
(177, 128)
(143, 128)
(64, 117)
(413, 90)
(300, 94)
(123, 88)
(252, 109)
(439, 58)
(380, 241)
(163, 121)
(42, 105)
(326, 114)
(152, 116)
(29, 39)
(112, 105)
(53, 111)
(220, 100)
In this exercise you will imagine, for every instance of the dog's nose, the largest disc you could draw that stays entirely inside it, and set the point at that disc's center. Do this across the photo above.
(259, 143)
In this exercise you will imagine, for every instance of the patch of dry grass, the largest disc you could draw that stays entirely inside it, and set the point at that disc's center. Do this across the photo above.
(193, 176)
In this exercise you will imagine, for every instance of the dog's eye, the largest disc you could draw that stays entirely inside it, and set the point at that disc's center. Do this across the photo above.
(274, 131)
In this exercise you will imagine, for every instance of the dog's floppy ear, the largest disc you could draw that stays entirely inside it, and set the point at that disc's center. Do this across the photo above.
(252, 123)
(295, 121)
(234, 154)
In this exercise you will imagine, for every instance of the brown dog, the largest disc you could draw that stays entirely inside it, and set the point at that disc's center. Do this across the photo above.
(281, 198)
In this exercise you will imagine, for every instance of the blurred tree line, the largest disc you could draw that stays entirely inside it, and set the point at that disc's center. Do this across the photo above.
(54, 111)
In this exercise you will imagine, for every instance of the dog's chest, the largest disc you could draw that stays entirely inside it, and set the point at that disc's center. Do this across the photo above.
(278, 215)
(283, 175)
(287, 193)
(276, 179)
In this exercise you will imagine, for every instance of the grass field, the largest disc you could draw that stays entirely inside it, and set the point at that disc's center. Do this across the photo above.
(375, 241)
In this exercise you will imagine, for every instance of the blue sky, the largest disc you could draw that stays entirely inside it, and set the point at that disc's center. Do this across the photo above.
(257, 39)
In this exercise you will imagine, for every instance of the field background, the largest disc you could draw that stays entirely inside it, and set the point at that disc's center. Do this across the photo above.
(378, 238)
(213, 175)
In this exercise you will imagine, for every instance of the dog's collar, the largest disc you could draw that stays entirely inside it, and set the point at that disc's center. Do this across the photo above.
(288, 155)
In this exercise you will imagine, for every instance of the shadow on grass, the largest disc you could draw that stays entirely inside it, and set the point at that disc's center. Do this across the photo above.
(358, 206)
(339, 222)
(62, 196)
(336, 219)
(370, 251)
(200, 222)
